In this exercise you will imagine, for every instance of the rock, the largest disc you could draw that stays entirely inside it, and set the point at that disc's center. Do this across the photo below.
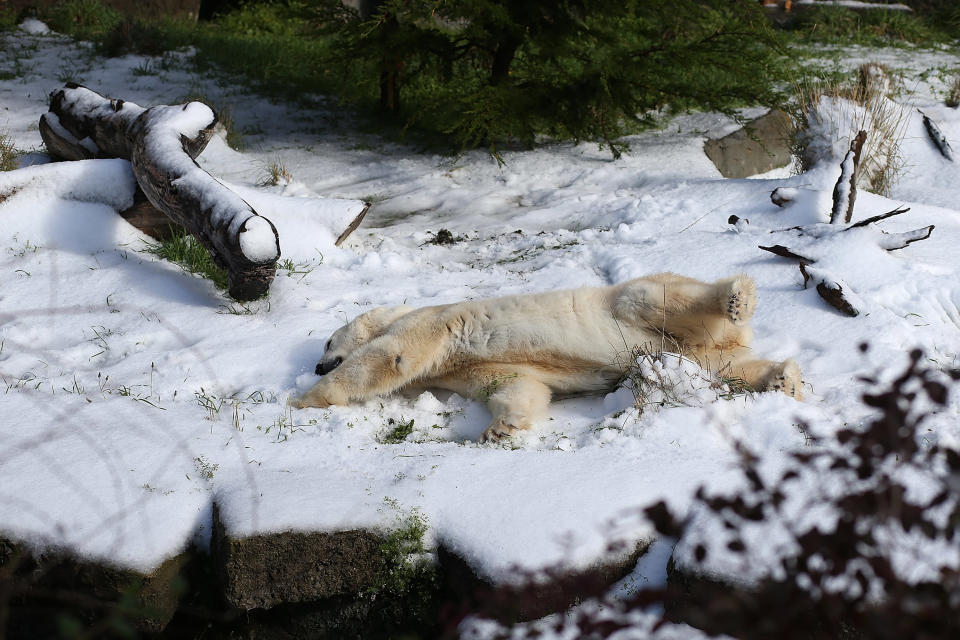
(44, 586)
(540, 596)
(761, 145)
(263, 571)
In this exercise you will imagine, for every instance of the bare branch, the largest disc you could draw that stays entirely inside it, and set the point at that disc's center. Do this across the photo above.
(845, 191)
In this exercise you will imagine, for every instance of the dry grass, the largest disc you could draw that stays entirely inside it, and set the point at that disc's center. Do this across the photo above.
(8, 152)
(845, 109)
(276, 173)
(659, 378)
(953, 93)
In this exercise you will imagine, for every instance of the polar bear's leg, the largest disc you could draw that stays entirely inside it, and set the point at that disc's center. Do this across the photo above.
(664, 297)
(765, 375)
(516, 402)
(383, 365)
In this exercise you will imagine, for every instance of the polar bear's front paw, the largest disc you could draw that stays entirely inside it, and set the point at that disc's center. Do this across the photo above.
(739, 299)
(787, 379)
(318, 397)
(498, 430)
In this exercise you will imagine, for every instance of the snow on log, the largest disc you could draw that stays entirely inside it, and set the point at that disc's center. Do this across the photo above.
(833, 290)
(939, 140)
(161, 142)
(845, 191)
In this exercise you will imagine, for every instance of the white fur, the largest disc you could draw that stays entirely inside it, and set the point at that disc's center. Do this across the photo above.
(515, 352)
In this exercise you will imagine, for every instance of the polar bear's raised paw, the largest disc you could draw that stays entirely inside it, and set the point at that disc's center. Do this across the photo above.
(740, 299)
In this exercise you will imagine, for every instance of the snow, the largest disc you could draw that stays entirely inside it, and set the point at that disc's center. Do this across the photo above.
(135, 395)
(34, 27)
(857, 4)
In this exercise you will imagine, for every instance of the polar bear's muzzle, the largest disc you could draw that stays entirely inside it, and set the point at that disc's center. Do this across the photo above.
(324, 368)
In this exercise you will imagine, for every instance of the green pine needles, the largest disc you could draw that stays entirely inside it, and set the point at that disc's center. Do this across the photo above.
(496, 73)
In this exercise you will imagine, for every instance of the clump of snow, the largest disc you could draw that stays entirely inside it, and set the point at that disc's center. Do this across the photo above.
(258, 240)
(34, 27)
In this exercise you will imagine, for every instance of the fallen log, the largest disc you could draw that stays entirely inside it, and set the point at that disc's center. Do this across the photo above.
(161, 143)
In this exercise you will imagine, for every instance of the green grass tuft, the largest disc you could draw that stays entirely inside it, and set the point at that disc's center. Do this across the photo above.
(398, 432)
(407, 585)
(185, 251)
(8, 153)
(871, 27)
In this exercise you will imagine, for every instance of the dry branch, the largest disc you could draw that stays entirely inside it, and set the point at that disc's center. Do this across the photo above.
(845, 191)
(878, 218)
(783, 251)
(161, 142)
(894, 241)
(832, 289)
(939, 140)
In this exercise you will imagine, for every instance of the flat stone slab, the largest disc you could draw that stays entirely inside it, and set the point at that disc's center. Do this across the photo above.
(759, 146)
(541, 594)
(263, 571)
(46, 584)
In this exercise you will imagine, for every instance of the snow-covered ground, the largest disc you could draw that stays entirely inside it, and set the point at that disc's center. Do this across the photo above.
(134, 395)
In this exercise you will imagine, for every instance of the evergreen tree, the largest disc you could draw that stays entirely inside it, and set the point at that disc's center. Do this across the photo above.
(486, 72)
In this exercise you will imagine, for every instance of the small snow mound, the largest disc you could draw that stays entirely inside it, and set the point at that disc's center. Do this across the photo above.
(34, 27)
(258, 241)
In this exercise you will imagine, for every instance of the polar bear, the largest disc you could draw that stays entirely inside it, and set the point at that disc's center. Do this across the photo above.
(515, 352)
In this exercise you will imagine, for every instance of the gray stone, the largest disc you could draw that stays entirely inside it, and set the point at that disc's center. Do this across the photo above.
(263, 571)
(537, 597)
(759, 146)
(52, 582)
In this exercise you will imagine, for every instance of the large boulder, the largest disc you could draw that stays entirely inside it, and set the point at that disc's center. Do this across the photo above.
(759, 146)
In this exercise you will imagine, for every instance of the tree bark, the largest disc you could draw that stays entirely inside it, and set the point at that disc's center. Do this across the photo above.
(161, 143)
(502, 59)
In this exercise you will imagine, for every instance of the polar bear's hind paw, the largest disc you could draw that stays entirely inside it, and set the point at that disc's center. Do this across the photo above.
(499, 430)
(788, 380)
(740, 300)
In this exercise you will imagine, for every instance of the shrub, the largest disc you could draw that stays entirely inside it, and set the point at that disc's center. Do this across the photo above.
(8, 152)
(82, 19)
(827, 115)
(872, 27)
(138, 36)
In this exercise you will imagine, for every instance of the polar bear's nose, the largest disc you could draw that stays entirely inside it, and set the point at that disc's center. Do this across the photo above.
(324, 368)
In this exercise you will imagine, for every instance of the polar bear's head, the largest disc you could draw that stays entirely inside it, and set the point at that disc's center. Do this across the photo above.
(356, 333)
